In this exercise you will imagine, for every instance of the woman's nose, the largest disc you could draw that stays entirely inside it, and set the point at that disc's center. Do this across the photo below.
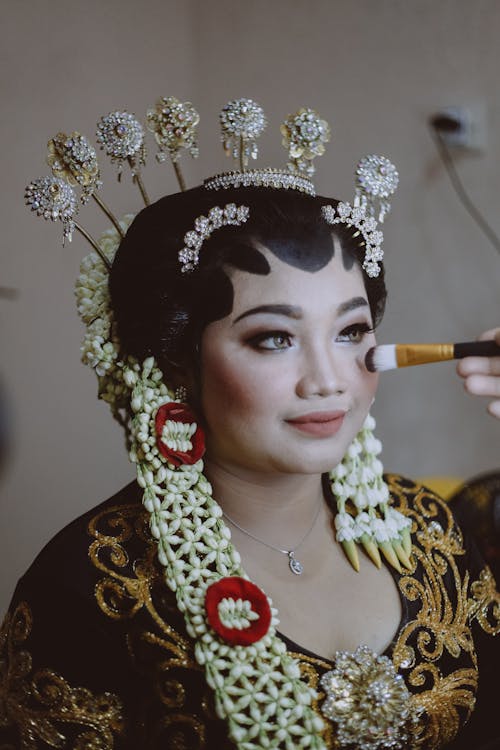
(323, 373)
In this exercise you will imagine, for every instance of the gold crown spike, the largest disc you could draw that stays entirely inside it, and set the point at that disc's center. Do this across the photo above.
(242, 122)
(376, 180)
(54, 199)
(174, 126)
(304, 135)
(74, 160)
(121, 136)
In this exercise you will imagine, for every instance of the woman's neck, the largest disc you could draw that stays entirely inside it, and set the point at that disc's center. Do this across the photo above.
(274, 507)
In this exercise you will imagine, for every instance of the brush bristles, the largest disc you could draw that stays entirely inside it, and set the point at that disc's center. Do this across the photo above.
(381, 358)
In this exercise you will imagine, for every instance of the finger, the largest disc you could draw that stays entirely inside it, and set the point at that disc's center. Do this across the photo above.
(493, 333)
(478, 365)
(482, 385)
(494, 409)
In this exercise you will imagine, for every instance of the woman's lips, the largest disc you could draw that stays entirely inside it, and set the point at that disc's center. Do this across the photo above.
(320, 424)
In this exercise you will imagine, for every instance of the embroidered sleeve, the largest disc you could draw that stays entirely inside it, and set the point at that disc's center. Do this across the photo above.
(39, 708)
(484, 602)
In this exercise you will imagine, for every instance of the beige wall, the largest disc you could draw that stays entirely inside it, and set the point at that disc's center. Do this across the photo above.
(375, 69)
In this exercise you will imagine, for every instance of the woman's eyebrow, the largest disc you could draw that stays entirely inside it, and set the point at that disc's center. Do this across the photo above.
(351, 304)
(290, 311)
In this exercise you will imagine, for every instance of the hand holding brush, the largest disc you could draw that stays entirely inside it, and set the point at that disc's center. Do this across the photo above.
(482, 375)
(479, 365)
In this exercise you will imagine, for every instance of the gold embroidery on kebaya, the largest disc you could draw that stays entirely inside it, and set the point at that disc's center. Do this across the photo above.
(425, 650)
(132, 587)
(442, 623)
(445, 705)
(42, 705)
(311, 670)
(184, 727)
(484, 605)
(122, 593)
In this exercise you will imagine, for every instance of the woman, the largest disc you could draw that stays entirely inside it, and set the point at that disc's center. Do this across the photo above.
(143, 627)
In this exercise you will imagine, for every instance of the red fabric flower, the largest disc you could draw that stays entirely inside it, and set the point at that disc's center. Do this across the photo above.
(178, 413)
(235, 588)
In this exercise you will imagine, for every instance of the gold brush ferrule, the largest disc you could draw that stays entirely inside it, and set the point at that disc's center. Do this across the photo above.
(421, 354)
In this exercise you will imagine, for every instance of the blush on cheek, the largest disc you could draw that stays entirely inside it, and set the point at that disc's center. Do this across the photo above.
(224, 391)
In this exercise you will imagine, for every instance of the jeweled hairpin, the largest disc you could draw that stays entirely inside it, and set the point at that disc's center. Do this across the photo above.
(74, 160)
(304, 135)
(121, 136)
(55, 200)
(174, 126)
(377, 179)
(242, 122)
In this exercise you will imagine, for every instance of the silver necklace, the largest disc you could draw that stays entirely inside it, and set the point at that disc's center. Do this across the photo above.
(294, 564)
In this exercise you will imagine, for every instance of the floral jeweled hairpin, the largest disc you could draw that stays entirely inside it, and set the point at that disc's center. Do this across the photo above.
(73, 159)
(53, 199)
(174, 126)
(121, 136)
(377, 179)
(242, 122)
(304, 135)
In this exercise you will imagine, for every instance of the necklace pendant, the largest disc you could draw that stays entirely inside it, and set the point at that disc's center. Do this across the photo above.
(295, 566)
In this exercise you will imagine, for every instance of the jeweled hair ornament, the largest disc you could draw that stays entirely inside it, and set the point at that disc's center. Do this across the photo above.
(376, 180)
(217, 217)
(55, 200)
(304, 135)
(174, 125)
(242, 121)
(121, 136)
(231, 620)
(73, 159)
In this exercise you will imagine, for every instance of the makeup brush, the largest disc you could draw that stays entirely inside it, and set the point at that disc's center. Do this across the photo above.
(391, 356)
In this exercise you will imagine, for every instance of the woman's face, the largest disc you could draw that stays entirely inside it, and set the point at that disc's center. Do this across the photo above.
(284, 387)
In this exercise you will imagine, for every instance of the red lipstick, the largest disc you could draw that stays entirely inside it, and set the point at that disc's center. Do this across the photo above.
(319, 423)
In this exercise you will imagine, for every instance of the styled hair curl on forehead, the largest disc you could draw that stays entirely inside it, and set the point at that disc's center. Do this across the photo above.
(162, 312)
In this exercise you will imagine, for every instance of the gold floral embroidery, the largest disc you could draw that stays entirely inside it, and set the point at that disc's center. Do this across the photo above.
(43, 706)
(131, 587)
(311, 670)
(484, 604)
(440, 628)
(439, 707)
(438, 634)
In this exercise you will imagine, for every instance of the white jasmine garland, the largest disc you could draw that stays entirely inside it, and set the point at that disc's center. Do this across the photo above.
(257, 687)
(176, 435)
(236, 613)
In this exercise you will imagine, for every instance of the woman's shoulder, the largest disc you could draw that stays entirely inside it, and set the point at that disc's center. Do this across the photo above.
(64, 559)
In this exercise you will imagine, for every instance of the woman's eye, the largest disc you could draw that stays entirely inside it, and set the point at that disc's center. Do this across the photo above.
(272, 341)
(355, 334)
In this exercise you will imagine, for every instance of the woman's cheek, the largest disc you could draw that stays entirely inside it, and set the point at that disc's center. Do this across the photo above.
(228, 387)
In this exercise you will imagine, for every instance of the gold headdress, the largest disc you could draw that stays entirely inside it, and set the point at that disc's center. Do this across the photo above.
(232, 620)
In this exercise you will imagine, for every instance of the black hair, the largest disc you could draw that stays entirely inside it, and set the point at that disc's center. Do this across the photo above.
(163, 312)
